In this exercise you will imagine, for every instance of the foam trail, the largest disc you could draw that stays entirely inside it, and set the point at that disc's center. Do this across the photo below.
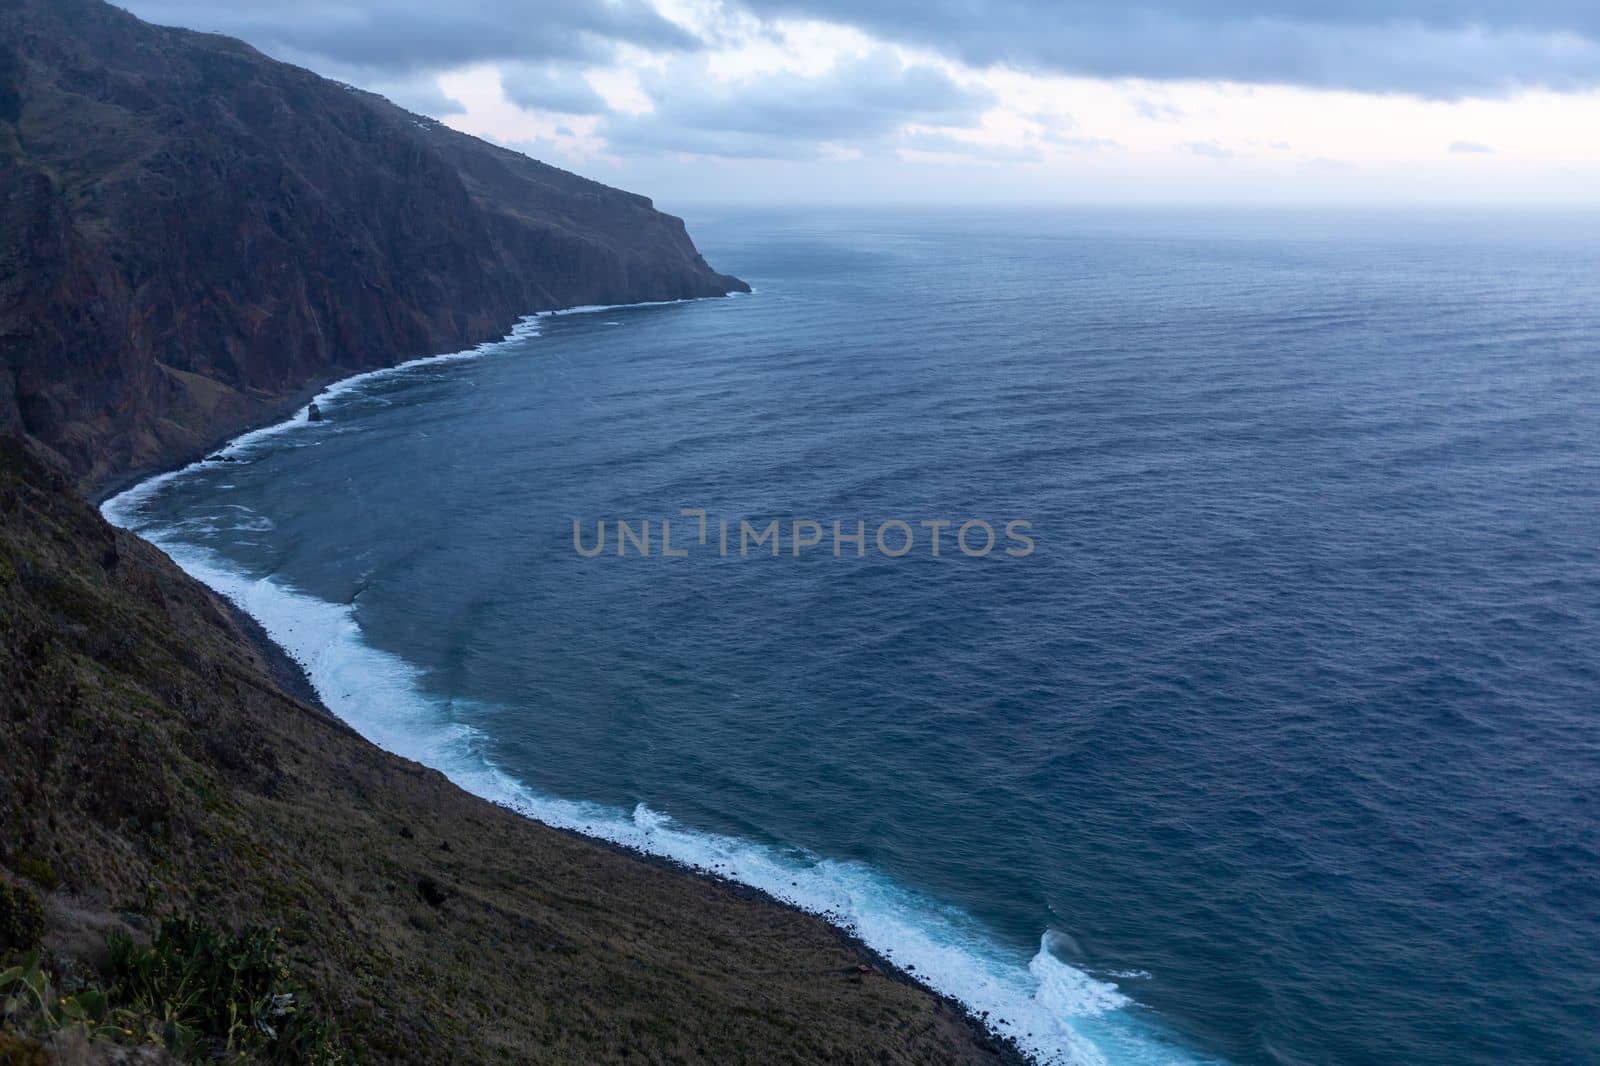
(1055, 1012)
(123, 508)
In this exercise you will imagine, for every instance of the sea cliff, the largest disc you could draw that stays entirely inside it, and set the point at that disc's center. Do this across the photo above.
(192, 235)
(197, 859)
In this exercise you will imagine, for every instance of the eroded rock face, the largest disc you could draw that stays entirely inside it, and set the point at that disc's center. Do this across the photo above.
(191, 234)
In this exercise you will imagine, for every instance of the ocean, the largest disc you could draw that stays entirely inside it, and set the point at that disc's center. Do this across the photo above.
(1266, 729)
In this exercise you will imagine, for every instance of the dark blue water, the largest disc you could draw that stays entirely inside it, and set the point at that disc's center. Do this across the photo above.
(1282, 745)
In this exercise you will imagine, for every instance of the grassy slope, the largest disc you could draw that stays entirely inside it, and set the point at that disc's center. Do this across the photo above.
(153, 762)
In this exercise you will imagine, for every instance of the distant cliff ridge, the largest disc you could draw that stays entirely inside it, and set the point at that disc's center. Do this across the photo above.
(191, 234)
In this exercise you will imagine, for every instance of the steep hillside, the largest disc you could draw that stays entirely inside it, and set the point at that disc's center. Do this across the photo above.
(154, 764)
(192, 235)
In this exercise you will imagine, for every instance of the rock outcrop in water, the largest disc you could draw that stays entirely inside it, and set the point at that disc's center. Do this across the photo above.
(192, 234)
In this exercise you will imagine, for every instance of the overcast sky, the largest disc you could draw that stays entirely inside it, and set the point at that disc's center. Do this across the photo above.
(1456, 101)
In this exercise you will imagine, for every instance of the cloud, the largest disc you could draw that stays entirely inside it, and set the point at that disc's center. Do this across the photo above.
(787, 114)
(407, 36)
(550, 88)
(416, 92)
(1431, 48)
(1470, 148)
(1078, 144)
(1157, 111)
(940, 143)
(1208, 149)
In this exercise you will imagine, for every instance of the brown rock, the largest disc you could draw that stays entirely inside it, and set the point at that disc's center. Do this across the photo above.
(192, 233)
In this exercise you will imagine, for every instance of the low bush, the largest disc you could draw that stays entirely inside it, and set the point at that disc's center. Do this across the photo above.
(203, 994)
(21, 919)
(209, 994)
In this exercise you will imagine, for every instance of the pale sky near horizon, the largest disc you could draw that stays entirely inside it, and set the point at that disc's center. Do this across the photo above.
(1036, 101)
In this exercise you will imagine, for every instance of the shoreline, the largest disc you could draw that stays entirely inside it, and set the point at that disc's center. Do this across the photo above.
(275, 413)
(281, 411)
(294, 678)
(188, 784)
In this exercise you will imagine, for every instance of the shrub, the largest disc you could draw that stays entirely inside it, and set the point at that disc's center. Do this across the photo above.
(37, 870)
(209, 994)
(29, 1004)
(21, 918)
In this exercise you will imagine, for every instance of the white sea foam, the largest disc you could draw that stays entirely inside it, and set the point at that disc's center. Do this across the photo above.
(123, 509)
(589, 309)
(1056, 1012)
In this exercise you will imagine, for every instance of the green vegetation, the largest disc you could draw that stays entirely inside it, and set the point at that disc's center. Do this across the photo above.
(21, 918)
(38, 871)
(32, 1007)
(202, 994)
(215, 995)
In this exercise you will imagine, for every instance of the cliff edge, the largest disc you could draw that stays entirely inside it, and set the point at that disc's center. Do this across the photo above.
(193, 234)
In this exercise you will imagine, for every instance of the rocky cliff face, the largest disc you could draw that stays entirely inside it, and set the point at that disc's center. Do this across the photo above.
(191, 234)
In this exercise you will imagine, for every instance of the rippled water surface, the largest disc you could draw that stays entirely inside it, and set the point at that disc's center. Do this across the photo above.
(1283, 745)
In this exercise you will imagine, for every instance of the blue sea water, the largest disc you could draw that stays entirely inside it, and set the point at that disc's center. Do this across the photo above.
(1281, 746)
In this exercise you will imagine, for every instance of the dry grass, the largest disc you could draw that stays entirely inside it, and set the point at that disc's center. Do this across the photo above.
(155, 764)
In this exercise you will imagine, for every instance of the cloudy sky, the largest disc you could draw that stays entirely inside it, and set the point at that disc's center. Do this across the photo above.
(1457, 101)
